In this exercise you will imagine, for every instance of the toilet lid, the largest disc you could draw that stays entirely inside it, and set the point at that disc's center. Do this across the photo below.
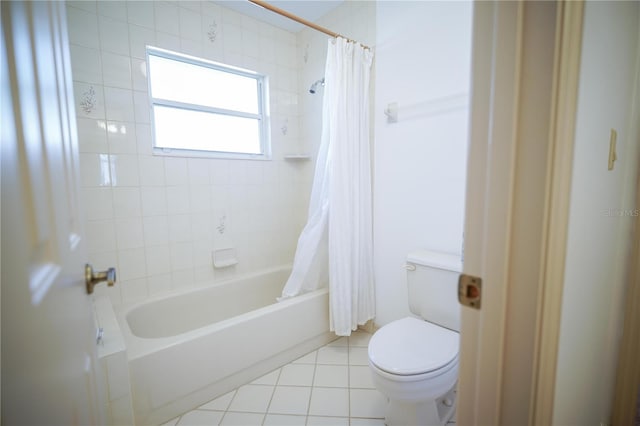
(411, 346)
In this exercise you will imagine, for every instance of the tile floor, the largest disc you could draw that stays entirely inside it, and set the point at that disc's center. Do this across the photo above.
(331, 386)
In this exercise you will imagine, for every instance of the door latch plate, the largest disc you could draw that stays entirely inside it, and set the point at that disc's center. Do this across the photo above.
(470, 291)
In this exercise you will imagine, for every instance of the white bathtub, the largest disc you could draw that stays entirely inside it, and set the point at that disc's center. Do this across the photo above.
(189, 348)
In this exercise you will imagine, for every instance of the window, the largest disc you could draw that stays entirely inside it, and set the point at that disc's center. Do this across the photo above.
(204, 108)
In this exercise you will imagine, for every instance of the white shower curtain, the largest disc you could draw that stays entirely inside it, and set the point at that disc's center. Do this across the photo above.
(336, 242)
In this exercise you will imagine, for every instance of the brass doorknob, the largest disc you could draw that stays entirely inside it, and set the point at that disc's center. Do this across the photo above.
(92, 278)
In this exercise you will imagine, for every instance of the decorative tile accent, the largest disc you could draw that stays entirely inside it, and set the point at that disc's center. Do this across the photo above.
(212, 32)
(222, 225)
(88, 100)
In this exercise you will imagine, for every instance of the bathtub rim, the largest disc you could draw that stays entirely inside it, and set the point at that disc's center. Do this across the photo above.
(138, 347)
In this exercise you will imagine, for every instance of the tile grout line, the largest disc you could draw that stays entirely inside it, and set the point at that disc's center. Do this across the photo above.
(313, 380)
(264, 418)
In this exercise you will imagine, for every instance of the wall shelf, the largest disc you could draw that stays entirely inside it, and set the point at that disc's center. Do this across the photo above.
(297, 157)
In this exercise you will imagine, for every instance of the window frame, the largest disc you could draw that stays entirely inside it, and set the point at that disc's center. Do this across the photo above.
(262, 115)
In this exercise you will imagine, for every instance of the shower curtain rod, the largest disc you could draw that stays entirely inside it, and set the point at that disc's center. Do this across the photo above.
(302, 21)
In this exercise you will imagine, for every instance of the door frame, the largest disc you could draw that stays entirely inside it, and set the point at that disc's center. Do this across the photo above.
(507, 47)
(627, 387)
(568, 54)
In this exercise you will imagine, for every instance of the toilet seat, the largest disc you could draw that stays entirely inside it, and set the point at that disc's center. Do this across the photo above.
(411, 346)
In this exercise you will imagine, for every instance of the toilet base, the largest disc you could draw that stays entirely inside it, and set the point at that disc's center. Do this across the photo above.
(427, 413)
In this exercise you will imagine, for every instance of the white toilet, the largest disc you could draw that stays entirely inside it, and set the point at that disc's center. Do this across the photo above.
(414, 361)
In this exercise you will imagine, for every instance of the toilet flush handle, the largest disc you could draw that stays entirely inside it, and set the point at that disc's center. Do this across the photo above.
(409, 266)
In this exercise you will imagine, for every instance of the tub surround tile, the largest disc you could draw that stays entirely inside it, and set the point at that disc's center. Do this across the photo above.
(139, 74)
(159, 284)
(86, 64)
(129, 233)
(152, 171)
(134, 290)
(143, 139)
(114, 35)
(126, 202)
(141, 13)
(98, 203)
(141, 107)
(165, 14)
(121, 137)
(92, 136)
(107, 43)
(84, 32)
(113, 9)
(119, 104)
(158, 261)
(154, 201)
(89, 100)
(94, 169)
(156, 229)
(101, 236)
(132, 264)
(167, 41)
(116, 70)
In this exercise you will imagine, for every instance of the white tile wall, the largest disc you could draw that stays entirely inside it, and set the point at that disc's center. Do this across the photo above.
(154, 217)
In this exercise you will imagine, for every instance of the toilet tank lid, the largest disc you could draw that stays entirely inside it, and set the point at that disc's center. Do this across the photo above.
(434, 259)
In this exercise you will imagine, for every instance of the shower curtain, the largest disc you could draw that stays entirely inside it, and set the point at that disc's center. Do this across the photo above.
(336, 242)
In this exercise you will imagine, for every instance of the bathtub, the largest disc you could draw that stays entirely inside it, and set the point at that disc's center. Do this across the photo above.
(189, 348)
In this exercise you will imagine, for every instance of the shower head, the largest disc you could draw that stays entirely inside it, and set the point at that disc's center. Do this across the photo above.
(314, 86)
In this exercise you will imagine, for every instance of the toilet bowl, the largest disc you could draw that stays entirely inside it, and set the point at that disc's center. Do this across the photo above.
(414, 361)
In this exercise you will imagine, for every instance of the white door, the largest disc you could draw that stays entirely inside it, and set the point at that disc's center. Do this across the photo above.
(526, 69)
(49, 364)
(517, 51)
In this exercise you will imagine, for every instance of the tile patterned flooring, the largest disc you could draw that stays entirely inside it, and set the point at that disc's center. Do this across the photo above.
(331, 386)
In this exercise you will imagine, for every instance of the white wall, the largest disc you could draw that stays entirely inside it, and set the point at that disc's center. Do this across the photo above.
(423, 54)
(599, 234)
(155, 217)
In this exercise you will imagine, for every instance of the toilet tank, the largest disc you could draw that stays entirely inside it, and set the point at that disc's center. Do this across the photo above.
(432, 278)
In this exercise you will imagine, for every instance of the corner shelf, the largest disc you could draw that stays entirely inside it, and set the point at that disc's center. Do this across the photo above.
(297, 157)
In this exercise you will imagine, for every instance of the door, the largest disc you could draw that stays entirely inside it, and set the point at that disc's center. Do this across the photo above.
(49, 363)
(516, 46)
(526, 73)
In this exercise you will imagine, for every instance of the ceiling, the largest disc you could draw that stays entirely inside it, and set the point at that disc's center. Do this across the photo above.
(310, 10)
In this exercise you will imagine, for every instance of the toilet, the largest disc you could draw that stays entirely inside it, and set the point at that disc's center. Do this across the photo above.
(414, 360)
